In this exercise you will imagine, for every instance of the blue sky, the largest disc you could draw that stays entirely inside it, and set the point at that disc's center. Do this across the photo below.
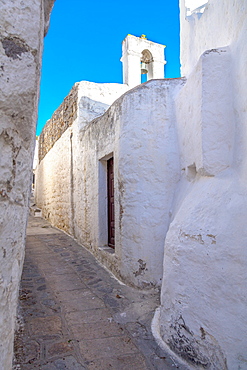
(84, 42)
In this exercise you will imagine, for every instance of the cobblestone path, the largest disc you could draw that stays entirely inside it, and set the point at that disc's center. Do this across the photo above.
(75, 315)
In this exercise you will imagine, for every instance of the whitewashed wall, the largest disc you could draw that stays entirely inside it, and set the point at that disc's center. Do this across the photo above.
(52, 187)
(132, 48)
(203, 296)
(22, 30)
(223, 23)
(148, 170)
(139, 131)
(56, 176)
(94, 99)
(195, 6)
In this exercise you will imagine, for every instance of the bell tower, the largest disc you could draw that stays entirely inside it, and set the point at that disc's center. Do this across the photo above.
(141, 56)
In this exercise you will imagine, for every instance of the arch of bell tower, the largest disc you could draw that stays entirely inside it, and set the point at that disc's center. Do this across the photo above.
(137, 53)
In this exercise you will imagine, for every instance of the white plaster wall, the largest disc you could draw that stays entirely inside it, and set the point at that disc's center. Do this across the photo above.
(195, 6)
(94, 99)
(205, 115)
(87, 152)
(36, 154)
(203, 300)
(60, 177)
(131, 69)
(203, 312)
(22, 26)
(67, 181)
(132, 48)
(105, 93)
(227, 20)
(139, 131)
(148, 170)
(223, 23)
(53, 183)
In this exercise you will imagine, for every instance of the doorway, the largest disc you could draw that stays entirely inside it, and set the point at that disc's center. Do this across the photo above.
(110, 201)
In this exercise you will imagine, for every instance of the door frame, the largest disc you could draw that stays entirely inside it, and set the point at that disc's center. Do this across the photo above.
(110, 203)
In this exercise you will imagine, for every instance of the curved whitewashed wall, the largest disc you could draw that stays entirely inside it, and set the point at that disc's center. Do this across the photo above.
(139, 131)
(22, 25)
(203, 296)
(148, 164)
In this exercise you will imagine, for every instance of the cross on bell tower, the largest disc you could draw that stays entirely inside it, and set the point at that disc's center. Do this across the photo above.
(141, 56)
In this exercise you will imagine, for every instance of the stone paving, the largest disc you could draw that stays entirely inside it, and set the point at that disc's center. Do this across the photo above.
(75, 315)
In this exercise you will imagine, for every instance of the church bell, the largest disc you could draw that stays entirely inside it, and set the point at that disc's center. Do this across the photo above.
(144, 69)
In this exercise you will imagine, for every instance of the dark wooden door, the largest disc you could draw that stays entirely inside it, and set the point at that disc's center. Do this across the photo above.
(111, 211)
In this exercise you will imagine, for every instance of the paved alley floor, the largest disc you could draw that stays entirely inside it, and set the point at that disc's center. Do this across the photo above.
(75, 315)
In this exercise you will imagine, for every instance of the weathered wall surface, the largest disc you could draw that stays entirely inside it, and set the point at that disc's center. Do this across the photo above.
(60, 155)
(54, 183)
(94, 99)
(146, 171)
(61, 119)
(203, 310)
(22, 28)
(86, 99)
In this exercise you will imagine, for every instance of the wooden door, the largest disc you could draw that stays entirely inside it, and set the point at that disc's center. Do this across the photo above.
(110, 195)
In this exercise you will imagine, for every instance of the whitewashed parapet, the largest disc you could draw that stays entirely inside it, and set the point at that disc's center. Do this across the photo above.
(195, 6)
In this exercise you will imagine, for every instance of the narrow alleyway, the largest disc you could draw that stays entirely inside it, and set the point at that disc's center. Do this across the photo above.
(75, 315)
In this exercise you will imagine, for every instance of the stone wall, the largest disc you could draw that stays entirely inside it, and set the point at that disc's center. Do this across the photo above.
(22, 28)
(61, 119)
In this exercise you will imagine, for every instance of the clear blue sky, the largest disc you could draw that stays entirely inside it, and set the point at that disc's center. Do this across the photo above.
(84, 42)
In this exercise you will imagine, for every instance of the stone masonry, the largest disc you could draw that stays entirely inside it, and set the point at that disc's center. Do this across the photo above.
(75, 315)
(61, 119)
